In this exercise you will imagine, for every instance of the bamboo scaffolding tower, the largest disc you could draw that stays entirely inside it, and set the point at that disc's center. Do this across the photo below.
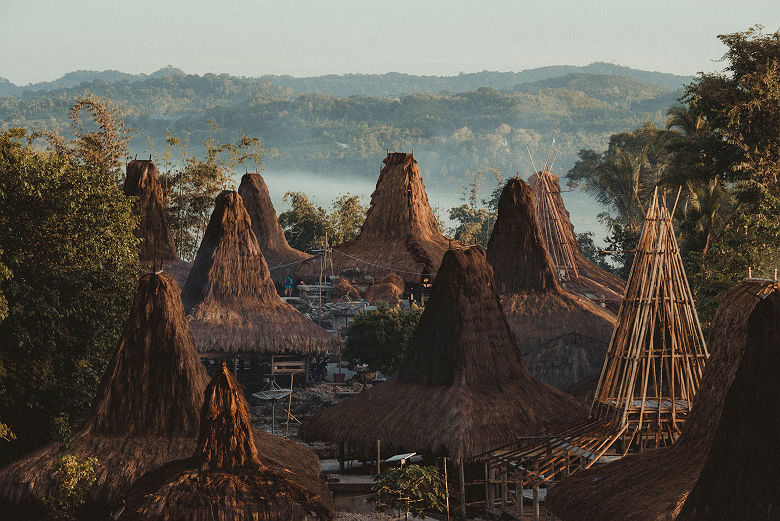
(558, 242)
(649, 379)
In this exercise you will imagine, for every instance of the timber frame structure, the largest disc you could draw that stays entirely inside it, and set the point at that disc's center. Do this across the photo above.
(650, 376)
(551, 223)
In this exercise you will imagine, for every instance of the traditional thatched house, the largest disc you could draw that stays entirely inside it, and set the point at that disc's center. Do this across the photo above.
(399, 234)
(724, 451)
(225, 478)
(282, 260)
(146, 413)
(389, 289)
(156, 247)
(593, 281)
(231, 302)
(462, 388)
(563, 336)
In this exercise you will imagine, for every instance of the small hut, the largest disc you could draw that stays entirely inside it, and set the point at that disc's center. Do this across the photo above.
(156, 247)
(563, 336)
(225, 478)
(282, 260)
(399, 235)
(232, 305)
(389, 289)
(722, 460)
(146, 413)
(462, 388)
(590, 280)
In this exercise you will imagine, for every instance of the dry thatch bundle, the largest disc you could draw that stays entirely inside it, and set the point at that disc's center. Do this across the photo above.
(156, 247)
(462, 388)
(654, 485)
(563, 337)
(224, 478)
(592, 279)
(146, 413)
(279, 256)
(230, 298)
(399, 235)
(389, 289)
(343, 290)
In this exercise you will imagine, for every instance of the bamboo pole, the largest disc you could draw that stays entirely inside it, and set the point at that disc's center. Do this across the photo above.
(446, 489)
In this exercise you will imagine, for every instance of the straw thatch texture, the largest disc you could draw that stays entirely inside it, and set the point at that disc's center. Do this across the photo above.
(147, 409)
(593, 279)
(225, 479)
(279, 256)
(399, 234)
(231, 301)
(343, 290)
(739, 479)
(462, 387)
(654, 485)
(563, 337)
(156, 247)
(389, 289)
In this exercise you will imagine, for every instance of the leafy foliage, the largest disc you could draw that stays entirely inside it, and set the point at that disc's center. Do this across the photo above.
(66, 232)
(475, 218)
(413, 489)
(75, 477)
(379, 337)
(307, 225)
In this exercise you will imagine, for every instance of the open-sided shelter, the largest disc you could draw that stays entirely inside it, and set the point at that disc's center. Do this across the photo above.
(156, 248)
(281, 258)
(563, 336)
(226, 478)
(232, 305)
(721, 467)
(146, 412)
(399, 235)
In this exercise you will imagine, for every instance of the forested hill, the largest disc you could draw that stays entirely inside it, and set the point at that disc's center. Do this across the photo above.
(471, 126)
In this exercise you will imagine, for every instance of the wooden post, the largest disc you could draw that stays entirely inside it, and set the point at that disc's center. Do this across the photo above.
(504, 489)
(341, 456)
(446, 489)
(235, 367)
(519, 493)
(289, 408)
(378, 458)
(487, 489)
(462, 491)
(536, 502)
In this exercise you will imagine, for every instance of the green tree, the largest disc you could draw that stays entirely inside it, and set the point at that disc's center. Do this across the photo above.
(66, 232)
(591, 252)
(414, 489)
(379, 337)
(75, 478)
(474, 219)
(346, 218)
(305, 224)
(191, 186)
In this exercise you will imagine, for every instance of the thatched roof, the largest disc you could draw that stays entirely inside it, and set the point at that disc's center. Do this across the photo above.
(389, 289)
(279, 256)
(399, 234)
(147, 409)
(654, 485)
(593, 279)
(230, 299)
(563, 336)
(156, 247)
(343, 290)
(225, 478)
(462, 388)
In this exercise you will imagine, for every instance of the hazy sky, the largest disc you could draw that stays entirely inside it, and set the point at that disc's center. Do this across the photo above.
(43, 39)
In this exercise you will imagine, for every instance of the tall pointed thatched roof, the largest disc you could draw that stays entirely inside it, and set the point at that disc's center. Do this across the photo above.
(230, 299)
(592, 279)
(563, 336)
(156, 247)
(462, 388)
(225, 478)
(729, 424)
(279, 256)
(399, 234)
(146, 412)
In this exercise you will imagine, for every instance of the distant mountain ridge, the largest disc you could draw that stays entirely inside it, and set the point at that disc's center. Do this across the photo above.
(381, 85)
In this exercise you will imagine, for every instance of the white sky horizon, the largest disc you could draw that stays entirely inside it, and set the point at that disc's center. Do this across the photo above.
(44, 39)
